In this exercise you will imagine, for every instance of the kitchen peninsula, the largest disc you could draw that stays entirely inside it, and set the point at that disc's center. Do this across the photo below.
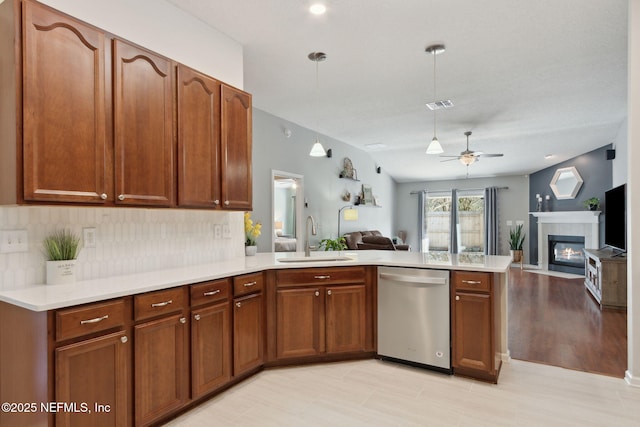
(208, 327)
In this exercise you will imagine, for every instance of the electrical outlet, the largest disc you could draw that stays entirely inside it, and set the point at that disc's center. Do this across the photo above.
(509, 223)
(217, 231)
(14, 241)
(226, 231)
(89, 237)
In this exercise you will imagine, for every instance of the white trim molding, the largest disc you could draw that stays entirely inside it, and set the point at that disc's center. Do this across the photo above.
(631, 380)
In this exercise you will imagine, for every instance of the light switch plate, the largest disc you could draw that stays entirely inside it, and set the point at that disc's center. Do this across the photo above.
(14, 241)
(89, 237)
(217, 231)
(226, 231)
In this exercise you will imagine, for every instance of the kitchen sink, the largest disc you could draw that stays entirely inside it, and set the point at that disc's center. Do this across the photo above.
(315, 259)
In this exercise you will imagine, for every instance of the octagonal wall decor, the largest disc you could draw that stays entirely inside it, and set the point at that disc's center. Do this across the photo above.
(566, 183)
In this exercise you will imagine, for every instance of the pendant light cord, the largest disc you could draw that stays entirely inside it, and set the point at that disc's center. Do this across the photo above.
(435, 98)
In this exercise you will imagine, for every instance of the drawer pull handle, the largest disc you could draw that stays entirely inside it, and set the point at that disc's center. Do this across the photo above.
(246, 285)
(472, 282)
(208, 294)
(183, 320)
(124, 340)
(322, 277)
(95, 320)
(197, 317)
(161, 304)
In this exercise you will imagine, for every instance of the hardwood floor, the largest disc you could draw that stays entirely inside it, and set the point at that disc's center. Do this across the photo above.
(555, 321)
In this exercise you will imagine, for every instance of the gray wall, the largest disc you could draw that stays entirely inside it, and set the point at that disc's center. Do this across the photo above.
(512, 204)
(596, 172)
(322, 186)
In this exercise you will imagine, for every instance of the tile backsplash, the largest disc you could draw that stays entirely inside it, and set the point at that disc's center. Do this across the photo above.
(128, 240)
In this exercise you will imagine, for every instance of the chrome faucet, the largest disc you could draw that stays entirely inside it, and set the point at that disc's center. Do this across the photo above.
(307, 248)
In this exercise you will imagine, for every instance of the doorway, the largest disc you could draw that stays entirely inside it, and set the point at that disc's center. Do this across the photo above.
(288, 204)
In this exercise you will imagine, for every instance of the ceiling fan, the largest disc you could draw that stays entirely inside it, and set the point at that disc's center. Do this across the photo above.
(468, 157)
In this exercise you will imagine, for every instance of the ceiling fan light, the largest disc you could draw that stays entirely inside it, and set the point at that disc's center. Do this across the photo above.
(434, 147)
(317, 150)
(467, 160)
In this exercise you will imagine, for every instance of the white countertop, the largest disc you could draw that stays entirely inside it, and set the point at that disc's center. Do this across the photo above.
(48, 297)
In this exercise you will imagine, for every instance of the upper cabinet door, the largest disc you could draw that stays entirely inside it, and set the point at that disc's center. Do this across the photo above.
(198, 139)
(143, 127)
(236, 149)
(64, 141)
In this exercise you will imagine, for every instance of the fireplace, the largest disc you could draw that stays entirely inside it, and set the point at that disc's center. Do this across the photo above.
(566, 254)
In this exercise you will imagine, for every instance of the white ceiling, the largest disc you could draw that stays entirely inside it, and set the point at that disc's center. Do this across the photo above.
(527, 77)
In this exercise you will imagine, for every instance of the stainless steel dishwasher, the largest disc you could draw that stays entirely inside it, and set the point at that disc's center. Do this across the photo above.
(413, 317)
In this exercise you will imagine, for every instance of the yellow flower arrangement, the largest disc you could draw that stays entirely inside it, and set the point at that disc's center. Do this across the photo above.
(251, 230)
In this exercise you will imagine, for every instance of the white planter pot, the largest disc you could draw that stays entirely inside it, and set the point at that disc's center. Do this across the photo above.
(61, 272)
(250, 250)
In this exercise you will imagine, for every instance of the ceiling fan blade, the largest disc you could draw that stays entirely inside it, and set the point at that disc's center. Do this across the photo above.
(456, 157)
(448, 160)
(489, 155)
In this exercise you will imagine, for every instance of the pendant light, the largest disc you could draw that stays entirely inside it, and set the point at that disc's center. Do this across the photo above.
(317, 150)
(434, 147)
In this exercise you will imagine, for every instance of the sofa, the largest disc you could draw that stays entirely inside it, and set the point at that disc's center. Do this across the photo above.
(372, 239)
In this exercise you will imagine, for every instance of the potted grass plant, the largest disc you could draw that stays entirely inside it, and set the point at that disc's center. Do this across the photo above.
(61, 249)
(516, 241)
(338, 244)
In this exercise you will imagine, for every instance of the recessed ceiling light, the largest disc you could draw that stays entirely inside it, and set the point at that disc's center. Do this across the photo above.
(318, 9)
(548, 156)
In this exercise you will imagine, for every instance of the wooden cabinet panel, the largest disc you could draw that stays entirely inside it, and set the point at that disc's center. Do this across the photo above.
(161, 367)
(235, 144)
(143, 127)
(472, 328)
(320, 276)
(84, 320)
(198, 139)
(298, 322)
(345, 318)
(248, 331)
(96, 371)
(64, 134)
(248, 283)
(210, 348)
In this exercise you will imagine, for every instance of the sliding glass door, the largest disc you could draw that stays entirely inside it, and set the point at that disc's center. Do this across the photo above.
(470, 227)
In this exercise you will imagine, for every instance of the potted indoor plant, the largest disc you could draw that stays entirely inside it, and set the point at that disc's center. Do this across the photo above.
(61, 249)
(516, 240)
(333, 244)
(592, 203)
(251, 232)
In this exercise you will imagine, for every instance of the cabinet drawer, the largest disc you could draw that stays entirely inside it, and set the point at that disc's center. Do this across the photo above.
(248, 284)
(153, 304)
(78, 321)
(216, 290)
(320, 276)
(472, 281)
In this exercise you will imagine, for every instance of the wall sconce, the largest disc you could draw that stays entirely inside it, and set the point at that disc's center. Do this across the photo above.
(350, 214)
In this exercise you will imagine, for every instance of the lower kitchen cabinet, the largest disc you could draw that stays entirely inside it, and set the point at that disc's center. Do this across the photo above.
(248, 333)
(161, 363)
(96, 372)
(332, 314)
(210, 348)
(474, 349)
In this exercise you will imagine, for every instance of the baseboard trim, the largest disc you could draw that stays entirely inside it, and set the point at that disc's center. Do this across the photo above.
(631, 380)
(506, 357)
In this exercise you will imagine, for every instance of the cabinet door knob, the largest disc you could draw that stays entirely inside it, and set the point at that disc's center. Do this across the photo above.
(457, 298)
(317, 293)
(183, 320)
(238, 304)
(103, 196)
(197, 317)
(121, 197)
(226, 203)
(329, 292)
(216, 202)
(124, 339)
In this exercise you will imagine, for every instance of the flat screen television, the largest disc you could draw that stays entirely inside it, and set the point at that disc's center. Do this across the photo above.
(615, 218)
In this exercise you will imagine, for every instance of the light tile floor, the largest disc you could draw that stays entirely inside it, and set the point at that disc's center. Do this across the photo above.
(375, 393)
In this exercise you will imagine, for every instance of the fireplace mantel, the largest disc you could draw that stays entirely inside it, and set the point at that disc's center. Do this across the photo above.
(571, 217)
(575, 223)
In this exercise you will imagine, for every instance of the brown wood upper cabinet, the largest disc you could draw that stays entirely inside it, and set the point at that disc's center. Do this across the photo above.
(143, 127)
(96, 119)
(64, 138)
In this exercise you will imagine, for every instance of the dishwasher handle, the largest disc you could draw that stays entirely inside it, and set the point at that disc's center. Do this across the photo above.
(426, 280)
